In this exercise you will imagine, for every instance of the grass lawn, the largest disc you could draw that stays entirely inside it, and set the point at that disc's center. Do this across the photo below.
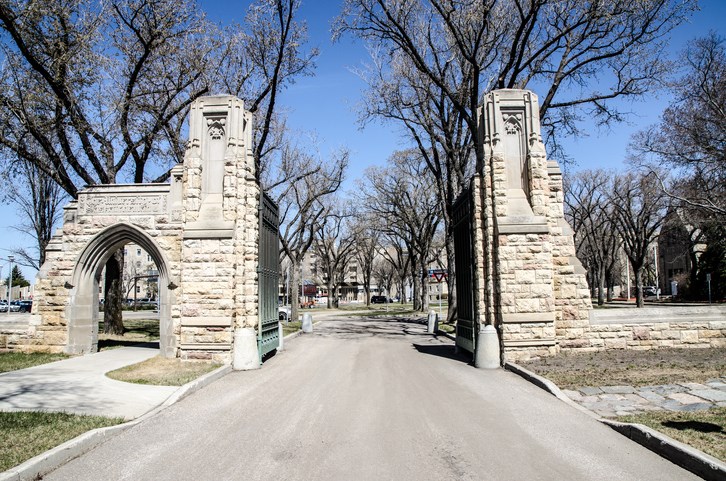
(704, 430)
(160, 371)
(634, 368)
(137, 331)
(27, 434)
(12, 361)
(447, 328)
(290, 327)
(393, 310)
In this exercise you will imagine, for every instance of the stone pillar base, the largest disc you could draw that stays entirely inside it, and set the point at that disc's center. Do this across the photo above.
(245, 354)
(487, 349)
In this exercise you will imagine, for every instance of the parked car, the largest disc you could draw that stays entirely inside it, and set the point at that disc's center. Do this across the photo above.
(13, 307)
(25, 306)
(651, 291)
(379, 299)
(284, 313)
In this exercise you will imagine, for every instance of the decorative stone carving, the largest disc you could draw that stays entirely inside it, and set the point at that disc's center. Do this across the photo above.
(216, 128)
(104, 204)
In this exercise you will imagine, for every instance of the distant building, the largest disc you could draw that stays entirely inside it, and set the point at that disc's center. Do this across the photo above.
(140, 275)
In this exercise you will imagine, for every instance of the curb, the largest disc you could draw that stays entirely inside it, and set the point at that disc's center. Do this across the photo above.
(695, 461)
(42, 464)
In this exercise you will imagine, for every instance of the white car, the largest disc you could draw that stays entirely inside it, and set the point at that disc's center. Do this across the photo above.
(13, 307)
(284, 313)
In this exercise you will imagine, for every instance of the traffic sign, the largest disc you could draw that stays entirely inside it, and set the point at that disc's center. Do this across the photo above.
(438, 274)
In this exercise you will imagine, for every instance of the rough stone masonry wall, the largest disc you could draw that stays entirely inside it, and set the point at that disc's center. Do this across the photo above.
(49, 324)
(207, 299)
(650, 328)
(538, 288)
(572, 295)
(247, 237)
(219, 274)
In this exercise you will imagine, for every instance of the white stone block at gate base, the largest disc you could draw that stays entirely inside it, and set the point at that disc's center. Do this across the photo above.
(487, 349)
(245, 353)
(307, 323)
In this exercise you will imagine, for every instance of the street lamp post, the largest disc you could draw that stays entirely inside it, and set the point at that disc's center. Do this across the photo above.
(10, 282)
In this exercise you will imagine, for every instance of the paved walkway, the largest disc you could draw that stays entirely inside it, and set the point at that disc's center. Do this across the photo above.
(611, 401)
(79, 385)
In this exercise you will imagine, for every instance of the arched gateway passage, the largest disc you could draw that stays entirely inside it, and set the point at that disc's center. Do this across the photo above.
(211, 232)
(83, 307)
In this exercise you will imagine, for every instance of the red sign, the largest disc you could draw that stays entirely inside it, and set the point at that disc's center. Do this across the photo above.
(438, 274)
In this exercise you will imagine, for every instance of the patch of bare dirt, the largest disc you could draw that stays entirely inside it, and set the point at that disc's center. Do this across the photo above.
(634, 368)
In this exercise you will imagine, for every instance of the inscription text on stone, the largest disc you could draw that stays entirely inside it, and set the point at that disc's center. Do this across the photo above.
(124, 204)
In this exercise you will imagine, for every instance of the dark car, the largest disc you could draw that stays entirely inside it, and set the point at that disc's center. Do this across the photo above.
(25, 306)
(379, 299)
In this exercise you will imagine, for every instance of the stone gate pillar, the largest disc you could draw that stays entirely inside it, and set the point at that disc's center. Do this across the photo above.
(531, 285)
(219, 249)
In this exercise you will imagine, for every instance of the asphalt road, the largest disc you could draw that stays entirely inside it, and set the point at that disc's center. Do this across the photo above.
(370, 400)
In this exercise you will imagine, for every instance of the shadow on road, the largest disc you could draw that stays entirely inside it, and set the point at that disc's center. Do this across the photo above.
(447, 351)
(105, 344)
(393, 328)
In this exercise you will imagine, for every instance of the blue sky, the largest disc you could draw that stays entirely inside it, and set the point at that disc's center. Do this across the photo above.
(325, 103)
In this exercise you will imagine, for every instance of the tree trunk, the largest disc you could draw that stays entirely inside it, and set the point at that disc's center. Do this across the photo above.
(451, 279)
(611, 285)
(417, 306)
(601, 287)
(424, 291)
(113, 295)
(638, 274)
(331, 292)
(294, 297)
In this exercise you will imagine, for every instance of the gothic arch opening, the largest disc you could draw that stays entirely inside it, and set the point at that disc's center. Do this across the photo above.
(83, 309)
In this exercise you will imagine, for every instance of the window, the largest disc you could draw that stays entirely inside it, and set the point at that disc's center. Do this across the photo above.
(138, 252)
(138, 289)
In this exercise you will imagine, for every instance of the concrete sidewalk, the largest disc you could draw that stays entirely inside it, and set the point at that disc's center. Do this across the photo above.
(79, 385)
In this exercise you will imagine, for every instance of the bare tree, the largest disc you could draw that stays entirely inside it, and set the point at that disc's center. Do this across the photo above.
(95, 93)
(335, 247)
(590, 212)
(433, 62)
(38, 199)
(404, 195)
(304, 204)
(691, 136)
(264, 55)
(384, 274)
(395, 262)
(366, 242)
(640, 207)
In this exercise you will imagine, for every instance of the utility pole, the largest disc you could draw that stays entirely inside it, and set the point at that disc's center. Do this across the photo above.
(10, 281)
(655, 261)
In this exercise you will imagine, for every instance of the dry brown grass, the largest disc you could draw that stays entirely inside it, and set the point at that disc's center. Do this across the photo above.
(160, 371)
(634, 368)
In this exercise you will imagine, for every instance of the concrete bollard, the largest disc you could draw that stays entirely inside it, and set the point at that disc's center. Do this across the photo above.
(281, 335)
(433, 322)
(487, 349)
(245, 355)
(307, 323)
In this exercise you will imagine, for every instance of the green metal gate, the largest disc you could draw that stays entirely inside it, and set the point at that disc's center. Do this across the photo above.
(268, 272)
(464, 263)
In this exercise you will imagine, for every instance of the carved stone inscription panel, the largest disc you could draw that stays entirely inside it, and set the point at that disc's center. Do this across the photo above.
(128, 204)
